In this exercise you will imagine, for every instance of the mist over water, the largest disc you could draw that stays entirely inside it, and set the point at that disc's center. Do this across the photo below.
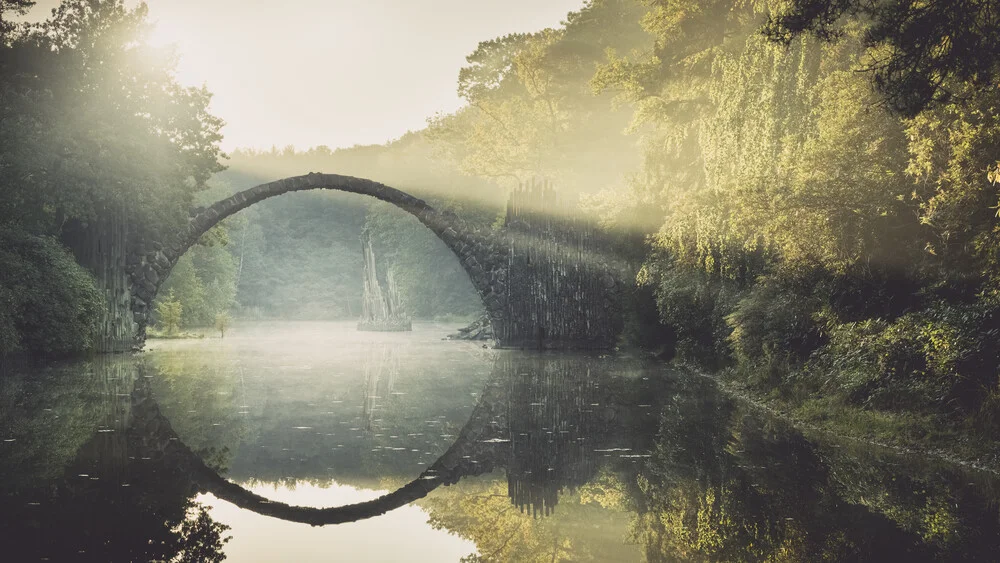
(541, 455)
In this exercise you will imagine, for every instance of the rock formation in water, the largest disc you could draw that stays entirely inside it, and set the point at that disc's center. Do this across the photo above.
(382, 310)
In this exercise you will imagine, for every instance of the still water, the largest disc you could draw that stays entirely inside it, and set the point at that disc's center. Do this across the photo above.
(314, 442)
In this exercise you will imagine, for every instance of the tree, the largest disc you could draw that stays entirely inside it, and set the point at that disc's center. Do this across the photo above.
(185, 287)
(531, 111)
(16, 7)
(515, 118)
(222, 321)
(199, 538)
(922, 53)
(95, 123)
(170, 311)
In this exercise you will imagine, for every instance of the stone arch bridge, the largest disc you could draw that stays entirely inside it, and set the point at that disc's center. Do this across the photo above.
(523, 307)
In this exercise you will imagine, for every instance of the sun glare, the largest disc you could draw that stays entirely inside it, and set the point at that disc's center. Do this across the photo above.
(166, 36)
(163, 34)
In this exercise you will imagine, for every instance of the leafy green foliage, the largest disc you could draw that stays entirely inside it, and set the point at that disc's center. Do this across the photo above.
(942, 357)
(775, 320)
(202, 283)
(695, 306)
(924, 49)
(222, 322)
(95, 128)
(49, 303)
(820, 243)
(170, 312)
(530, 108)
(94, 120)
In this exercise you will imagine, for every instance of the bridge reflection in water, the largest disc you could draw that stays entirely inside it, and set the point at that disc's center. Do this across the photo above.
(547, 421)
(92, 457)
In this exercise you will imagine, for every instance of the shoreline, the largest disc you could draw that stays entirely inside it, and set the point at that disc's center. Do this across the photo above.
(976, 462)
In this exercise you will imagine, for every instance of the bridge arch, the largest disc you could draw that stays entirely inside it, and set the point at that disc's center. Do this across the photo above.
(478, 250)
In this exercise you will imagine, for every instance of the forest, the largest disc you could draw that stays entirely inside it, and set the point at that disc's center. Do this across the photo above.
(806, 192)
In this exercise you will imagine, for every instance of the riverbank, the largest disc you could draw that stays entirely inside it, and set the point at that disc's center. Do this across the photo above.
(157, 335)
(905, 433)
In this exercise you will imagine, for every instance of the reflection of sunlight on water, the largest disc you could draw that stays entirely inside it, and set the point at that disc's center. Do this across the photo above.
(401, 535)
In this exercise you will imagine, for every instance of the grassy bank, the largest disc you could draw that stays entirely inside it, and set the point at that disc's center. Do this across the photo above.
(153, 333)
(907, 432)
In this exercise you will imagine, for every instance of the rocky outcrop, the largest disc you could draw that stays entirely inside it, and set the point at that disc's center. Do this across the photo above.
(480, 329)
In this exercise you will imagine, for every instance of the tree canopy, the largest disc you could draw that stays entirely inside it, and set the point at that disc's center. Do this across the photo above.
(923, 53)
(94, 119)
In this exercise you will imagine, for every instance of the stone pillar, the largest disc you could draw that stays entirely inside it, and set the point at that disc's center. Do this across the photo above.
(101, 246)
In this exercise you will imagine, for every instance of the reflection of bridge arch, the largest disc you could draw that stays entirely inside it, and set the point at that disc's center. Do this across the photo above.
(478, 251)
(473, 453)
(547, 421)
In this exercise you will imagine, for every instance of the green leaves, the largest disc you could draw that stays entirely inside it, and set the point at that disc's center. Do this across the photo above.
(929, 50)
(170, 312)
(49, 304)
(93, 116)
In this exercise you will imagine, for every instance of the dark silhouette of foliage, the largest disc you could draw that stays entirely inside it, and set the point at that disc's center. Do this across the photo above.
(924, 53)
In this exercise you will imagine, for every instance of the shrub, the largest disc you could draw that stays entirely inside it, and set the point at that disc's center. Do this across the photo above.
(775, 320)
(222, 322)
(695, 306)
(862, 292)
(170, 311)
(944, 356)
(48, 303)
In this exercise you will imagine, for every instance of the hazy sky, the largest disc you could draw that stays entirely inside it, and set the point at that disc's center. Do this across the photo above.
(332, 72)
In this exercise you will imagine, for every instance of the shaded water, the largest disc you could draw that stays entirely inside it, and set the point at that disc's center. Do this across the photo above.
(207, 448)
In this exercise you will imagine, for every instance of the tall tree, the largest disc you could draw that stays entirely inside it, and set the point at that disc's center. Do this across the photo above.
(923, 52)
(93, 117)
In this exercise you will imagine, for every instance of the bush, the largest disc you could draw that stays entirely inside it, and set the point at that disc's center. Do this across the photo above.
(48, 303)
(942, 358)
(866, 292)
(695, 307)
(170, 312)
(775, 319)
(222, 322)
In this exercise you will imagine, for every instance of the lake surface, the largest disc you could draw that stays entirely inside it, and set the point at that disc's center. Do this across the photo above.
(315, 442)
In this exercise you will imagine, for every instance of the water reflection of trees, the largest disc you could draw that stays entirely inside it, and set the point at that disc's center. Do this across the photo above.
(113, 498)
(725, 484)
(580, 455)
(564, 414)
(563, 429)
(206, 402)
(721, 483)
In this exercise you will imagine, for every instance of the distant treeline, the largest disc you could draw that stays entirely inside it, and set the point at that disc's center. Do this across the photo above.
(299, 256)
